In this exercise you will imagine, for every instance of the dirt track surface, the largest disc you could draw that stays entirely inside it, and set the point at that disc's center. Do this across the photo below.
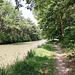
(10, 52)
(61, 68)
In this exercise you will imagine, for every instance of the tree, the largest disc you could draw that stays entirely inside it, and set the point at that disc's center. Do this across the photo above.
(54, 16)
(14, 27)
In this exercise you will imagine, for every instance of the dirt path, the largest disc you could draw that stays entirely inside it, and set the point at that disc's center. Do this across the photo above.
(61, 68)
(9, 53)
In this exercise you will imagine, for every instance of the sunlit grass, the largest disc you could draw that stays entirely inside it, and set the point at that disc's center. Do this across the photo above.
(43, 52)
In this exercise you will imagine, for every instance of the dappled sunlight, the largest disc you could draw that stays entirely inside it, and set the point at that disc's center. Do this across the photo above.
(44, 52)
(61, 67)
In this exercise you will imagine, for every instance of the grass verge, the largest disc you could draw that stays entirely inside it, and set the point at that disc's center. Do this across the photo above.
(39, 61)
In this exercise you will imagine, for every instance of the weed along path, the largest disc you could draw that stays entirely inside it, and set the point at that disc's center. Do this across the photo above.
(61, 68)
(10, 52)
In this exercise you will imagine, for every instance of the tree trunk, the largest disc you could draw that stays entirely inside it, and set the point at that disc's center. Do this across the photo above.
(60, 32)
(61, 25)
(60, 29)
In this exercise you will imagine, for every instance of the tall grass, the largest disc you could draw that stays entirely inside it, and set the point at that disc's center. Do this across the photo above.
(39, 61)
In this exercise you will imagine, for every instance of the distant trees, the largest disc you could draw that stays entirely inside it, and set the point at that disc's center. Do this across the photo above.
(14, 27)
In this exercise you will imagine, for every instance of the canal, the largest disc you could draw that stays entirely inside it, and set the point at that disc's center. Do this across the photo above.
(9, 53)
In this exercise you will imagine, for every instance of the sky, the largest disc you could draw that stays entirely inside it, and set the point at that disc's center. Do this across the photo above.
(26, 12)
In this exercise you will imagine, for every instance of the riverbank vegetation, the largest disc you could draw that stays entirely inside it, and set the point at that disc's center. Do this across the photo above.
(39, 61)
(56, 18)
(14, 27)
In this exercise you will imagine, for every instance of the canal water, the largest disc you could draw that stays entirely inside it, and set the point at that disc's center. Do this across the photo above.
(11, 52)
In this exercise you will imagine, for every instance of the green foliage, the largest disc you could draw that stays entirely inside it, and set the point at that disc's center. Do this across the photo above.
(10, 38)
(56, 19)
(67, 44)
(48, 46)
(70, 34)
(71, 56)
(30, 54)
(14, 27)
(38, 61)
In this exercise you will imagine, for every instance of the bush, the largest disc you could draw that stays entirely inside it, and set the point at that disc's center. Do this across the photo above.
(30, 54)
(12, 38)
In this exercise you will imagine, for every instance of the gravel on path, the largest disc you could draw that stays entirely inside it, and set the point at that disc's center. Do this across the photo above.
(61, 68)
